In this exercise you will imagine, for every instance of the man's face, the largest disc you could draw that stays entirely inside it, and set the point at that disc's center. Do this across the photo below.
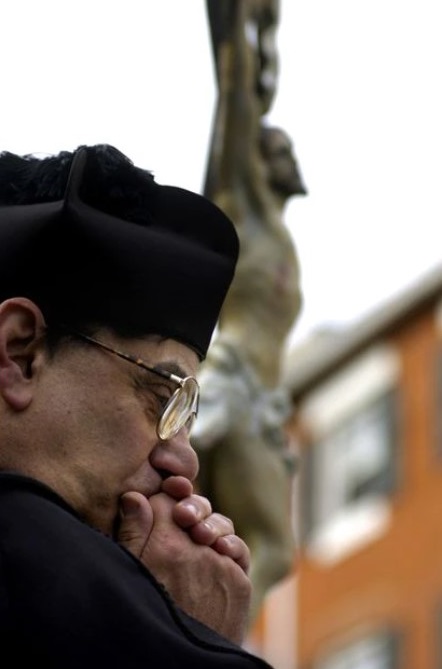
(104, 412)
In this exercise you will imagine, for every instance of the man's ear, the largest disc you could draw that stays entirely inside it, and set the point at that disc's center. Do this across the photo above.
(21, 327)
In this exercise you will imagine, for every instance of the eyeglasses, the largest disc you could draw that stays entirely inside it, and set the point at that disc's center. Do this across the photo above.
(181, 408)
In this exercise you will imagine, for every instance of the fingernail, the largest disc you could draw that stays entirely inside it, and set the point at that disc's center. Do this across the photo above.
(129, 506)
(192, 508)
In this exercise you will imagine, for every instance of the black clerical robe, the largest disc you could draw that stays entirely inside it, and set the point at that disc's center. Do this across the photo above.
(71, 597)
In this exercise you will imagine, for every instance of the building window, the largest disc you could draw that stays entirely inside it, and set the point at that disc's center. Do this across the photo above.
(348, 475)
(350, 466)
(378, 651)
(355, 461)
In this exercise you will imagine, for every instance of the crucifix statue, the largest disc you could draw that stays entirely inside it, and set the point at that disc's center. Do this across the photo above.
(246, 461)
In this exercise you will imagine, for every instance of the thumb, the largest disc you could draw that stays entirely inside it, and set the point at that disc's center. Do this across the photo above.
(136, 522)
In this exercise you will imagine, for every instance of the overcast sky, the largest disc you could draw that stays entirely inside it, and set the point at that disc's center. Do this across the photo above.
(359, 93)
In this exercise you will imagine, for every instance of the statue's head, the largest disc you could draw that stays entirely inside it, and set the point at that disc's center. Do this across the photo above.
(284, 176)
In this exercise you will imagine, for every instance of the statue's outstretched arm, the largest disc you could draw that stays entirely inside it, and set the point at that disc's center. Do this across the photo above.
(234, 149)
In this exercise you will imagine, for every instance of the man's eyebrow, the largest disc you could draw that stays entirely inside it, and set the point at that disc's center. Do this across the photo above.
(170, 366)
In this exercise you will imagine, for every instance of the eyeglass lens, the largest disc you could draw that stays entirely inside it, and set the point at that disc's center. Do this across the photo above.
(180, 410)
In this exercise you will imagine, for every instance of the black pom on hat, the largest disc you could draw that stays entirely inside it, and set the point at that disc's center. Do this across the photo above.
(91, 238)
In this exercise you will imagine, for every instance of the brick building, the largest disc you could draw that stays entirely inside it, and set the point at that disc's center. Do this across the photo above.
(366, 590)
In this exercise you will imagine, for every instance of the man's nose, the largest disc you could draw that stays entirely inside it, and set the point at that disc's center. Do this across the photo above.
(176, 456)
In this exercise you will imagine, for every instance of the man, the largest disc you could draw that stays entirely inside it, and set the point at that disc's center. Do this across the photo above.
(246, 464)
(110, 288)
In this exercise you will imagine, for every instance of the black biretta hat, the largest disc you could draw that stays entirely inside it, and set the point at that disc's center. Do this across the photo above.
(93, 239)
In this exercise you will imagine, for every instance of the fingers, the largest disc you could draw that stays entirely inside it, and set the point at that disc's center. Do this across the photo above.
(210, 528)
(191, 512)
(189, 570)
(207, 528)
(136, 521)
(235, 548)
(177, 487)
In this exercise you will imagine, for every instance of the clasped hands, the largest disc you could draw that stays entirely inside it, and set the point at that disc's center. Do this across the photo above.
(193, 552)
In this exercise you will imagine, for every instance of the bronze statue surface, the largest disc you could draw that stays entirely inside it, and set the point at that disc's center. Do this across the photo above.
(246, 464)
